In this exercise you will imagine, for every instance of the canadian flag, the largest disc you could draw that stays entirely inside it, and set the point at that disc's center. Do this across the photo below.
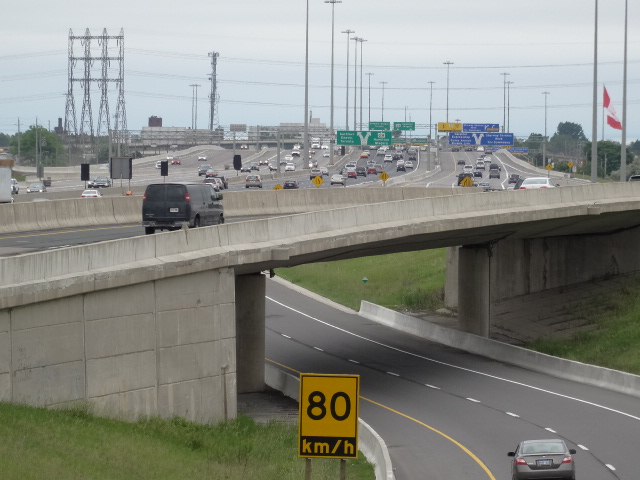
(612, 119)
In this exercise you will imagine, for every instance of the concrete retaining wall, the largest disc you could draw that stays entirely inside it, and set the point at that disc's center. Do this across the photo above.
(165, 348)
(579, 372)
(369, 442)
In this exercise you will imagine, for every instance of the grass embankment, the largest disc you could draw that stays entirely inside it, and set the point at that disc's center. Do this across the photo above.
(71, 444)
(415, 281)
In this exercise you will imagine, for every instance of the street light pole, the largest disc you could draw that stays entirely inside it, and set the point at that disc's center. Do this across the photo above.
(348, 32)
(594, 119)
(332, 133)
(544, 140)
(305, 145)
(383, 84)
(369, 75)
(362, 40)
(623, 152)
(504, 101)
(448, 64)
(355, 81)
(430, 125)
(508, 106)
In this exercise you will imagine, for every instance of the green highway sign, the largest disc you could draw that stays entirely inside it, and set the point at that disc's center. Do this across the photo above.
(379, 125)
(348, 137)
(404, 125)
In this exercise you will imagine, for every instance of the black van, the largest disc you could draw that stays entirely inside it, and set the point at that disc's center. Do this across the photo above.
(171, 205)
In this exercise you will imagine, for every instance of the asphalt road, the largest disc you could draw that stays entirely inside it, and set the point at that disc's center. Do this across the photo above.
(446, 414)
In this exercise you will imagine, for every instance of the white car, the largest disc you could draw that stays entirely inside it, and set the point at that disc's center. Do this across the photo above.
(388, 157)
(325, 153)
(325, 147)
(202, 158)
(336, 178)
(324, 170)
(537, 182)
(290, 167)
(467, 169)
(288, 157)
(408, 164)
(91, 194)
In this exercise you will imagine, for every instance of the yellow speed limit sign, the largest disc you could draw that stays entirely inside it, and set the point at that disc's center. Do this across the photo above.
(328, 416)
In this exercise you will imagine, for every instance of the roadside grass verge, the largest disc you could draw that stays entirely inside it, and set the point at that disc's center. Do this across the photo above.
(412, 280)
(615, 341)
(37, 443)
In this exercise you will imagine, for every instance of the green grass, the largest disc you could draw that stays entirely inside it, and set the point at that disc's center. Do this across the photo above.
(72, 444)
(413, 280)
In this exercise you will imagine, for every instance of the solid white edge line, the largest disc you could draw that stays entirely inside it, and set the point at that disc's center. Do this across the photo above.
(550, 430)
(583, 447)
(394, 374)
(512, 414)
(473, 400)
(285, 336)
(610, 467)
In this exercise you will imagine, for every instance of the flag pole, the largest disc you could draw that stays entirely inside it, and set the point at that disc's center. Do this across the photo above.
(623, 147)
(594, 120)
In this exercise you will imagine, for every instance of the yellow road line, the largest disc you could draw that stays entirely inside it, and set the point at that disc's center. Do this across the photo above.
(57, 232)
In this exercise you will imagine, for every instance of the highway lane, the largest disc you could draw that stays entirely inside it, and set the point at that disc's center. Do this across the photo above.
(445, 413)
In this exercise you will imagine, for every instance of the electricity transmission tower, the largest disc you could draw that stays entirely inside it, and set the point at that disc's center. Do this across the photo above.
(89, 76)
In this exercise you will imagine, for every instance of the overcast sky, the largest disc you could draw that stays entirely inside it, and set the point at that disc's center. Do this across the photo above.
(544, 46)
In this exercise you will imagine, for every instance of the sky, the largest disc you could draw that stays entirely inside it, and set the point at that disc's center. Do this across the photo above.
(543, 46)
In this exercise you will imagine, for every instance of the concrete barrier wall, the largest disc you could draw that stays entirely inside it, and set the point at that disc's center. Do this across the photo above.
(558, 367)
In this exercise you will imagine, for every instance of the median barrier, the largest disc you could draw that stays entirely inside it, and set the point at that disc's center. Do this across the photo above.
(25, 216)
(7, 218)
(127, 209)
(558, 367)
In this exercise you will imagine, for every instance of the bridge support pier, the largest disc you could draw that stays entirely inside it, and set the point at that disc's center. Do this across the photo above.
(473, 289)
(250, 331)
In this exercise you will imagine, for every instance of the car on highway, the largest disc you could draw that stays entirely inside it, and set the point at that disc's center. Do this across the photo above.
(15, 186)
(253, 181)
(365, 154)
(313, 164)
(397, 156)
(245, 168)
(295, 153)
(514, 177)
(324, 170)
(211, 173)
(361, 171)
(159, 164)
(468, 149)
(537, 459)
(537, 182)
(408, 164)
(254, 166)
(315, 172)
(218, 183)
(224, 180)
(461, 162)
(290, 184)
(455, 149)
(478, 173)
(273, 167)
(36, 188)
(202, 169)
(202, 158)
(388, 158)
(467, 169)
(174, 161)
(352, 174)
(91, 194)
(325, 153)
(371, 169)
(97, 182)
(634, 178)
(263, 161)
(290, 167)
(336, 179)
(288, 157)
(244, 147)
(480, 165)
(494, 173)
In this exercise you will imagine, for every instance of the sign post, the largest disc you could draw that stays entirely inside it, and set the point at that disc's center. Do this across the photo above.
(328, 416)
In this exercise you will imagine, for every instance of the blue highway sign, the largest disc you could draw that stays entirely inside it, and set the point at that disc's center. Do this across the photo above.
(480, 127)
(498, 139)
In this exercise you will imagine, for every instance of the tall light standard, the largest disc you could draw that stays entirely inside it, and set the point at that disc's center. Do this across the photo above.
(383, 84)
(448, 64)
(623, 151)
(355, 81)
(361, 40)
(504, 100)
(332, 133)
(508, 106)
(430, 125)
(369, 75)
(348, 32)
(305, 143)
(594, 119)
(194, 106)
(544, 140)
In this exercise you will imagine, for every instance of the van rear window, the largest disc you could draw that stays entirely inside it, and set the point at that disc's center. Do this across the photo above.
(175, 193)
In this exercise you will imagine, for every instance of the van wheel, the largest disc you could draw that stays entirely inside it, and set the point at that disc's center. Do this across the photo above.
(149, 230)
(196, 222)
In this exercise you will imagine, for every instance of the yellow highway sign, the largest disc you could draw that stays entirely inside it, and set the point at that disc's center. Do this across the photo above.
(328, 416)
(549, 166)
(278, 187)
(466, 182)
(317, 181)
(449, 127)
(384, 176)
(570, 164)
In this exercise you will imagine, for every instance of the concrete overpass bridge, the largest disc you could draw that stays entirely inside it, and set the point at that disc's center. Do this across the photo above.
(173, 323)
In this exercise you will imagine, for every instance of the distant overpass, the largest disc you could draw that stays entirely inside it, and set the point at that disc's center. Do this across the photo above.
(173, 323)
